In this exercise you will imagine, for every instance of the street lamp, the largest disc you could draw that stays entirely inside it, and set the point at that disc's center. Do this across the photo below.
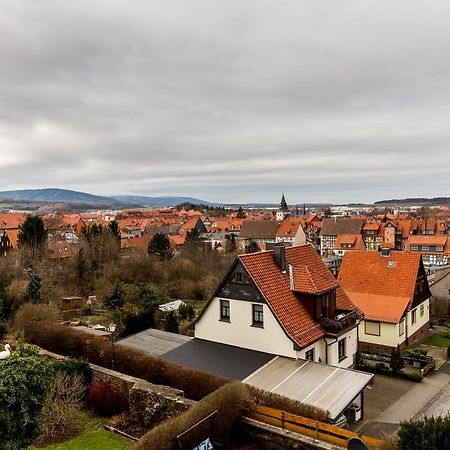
(112, 336)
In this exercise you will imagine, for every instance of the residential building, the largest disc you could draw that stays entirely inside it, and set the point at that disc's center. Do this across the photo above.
(440, 292)
(284, 302)
(260, 231)
(332, 228)
(435, 250)
(348, 242)
(391, 290)
(291, 232)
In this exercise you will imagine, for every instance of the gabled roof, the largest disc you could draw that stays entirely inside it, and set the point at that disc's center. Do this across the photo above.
(354, 240)
(383, 308)
(259, 229)
(289, 227)
(370, 273)
(11, 220)
(427, 240)
(310, 281)
(335, 226)
(275, 287)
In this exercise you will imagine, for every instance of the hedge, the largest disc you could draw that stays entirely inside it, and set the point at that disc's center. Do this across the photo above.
(195, 384)
(97, 350)
(229, 402)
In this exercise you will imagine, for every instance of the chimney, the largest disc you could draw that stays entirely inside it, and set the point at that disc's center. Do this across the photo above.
(279, 254)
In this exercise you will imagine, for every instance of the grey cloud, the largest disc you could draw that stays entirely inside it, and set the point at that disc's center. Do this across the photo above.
(229, 101)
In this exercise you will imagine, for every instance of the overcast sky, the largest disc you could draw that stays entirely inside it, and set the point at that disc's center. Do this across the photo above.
(240, 100)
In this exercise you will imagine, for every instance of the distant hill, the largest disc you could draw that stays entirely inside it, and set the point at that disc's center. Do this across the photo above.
(55, 195)
(67, 196)
(159, 201)
(416, 201)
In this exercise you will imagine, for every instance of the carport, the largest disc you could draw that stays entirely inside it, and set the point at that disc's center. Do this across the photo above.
(330, 388)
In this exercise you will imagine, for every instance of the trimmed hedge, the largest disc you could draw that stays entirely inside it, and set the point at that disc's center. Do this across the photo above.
(97, 350)
(195, 384)
(229, 402)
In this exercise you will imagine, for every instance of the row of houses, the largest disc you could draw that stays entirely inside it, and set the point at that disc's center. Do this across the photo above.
(429, 238)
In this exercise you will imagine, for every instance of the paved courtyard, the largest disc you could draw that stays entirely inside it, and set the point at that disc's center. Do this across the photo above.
(397, 400)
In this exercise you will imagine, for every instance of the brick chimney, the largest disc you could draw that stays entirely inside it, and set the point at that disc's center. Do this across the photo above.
(279, 255)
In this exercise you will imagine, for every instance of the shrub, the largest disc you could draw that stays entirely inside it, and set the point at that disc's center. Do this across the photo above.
(425, 434)
(229, 401)
(105, 399)
(64, 398)
(75, 366)
(32, 313)
(186, 311)
(417, 353)
(396, 362)
(171, 323)
(24, 382)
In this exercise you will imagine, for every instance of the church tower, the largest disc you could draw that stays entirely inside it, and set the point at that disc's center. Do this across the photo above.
(283, 211)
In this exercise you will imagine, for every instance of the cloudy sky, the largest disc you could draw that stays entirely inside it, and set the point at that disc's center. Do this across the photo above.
(235, 100)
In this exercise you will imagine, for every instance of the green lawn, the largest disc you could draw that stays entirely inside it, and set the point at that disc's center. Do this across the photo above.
(94, 436)
(438, 340)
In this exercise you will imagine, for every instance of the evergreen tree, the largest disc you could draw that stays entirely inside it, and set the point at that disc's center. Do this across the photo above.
(116, 298)
(160, 245)
(171, 324)
(32, 234)
(34, 288)
(241, 214)
(396, 362)
(114, 229)
(252, 247)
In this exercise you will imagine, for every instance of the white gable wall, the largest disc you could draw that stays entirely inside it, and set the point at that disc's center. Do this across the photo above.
(240, 332)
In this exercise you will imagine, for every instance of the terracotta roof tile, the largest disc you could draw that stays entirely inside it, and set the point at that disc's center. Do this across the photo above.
(370, 273)
(383, 308)
(276, 288)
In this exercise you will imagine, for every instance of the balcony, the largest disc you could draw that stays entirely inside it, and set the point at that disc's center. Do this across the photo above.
(343, 322)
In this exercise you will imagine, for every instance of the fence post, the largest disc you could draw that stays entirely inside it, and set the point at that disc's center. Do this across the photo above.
(317, 429)
(282, 419)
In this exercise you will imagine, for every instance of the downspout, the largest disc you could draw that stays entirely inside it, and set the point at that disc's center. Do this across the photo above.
(326, 348)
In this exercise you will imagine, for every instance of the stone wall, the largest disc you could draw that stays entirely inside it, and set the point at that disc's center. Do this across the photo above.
(148, 403)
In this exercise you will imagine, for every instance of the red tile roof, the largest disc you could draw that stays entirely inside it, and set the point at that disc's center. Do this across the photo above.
(12, 220)
(371, 274)
(289, 227)
(310, 281)
(13, 238)
(275, 286)
(383, 308)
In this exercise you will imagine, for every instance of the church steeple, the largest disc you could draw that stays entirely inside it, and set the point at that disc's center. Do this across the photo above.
(283, 204)
(283, 210)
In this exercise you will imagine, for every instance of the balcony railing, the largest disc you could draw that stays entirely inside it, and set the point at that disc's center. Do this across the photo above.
(341, 323)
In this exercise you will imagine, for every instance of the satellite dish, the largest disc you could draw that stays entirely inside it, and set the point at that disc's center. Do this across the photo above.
(356, 444)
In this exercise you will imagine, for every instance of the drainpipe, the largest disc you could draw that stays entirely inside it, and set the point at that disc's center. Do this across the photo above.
(326, 348)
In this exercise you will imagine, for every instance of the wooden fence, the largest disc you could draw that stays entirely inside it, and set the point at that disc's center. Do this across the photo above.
(308, 427)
